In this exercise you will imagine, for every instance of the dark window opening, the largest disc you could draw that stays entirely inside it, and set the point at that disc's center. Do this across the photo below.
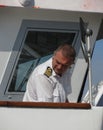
(38, 47)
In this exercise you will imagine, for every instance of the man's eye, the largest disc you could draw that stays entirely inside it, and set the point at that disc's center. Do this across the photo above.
(57, 62)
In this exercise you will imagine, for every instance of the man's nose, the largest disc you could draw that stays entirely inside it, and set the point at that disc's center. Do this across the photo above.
(59, 66)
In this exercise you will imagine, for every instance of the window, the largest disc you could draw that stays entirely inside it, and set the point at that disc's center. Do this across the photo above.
(38, 47)
(35, 43)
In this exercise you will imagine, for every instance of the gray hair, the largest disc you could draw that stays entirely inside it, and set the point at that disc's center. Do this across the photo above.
(67, 50)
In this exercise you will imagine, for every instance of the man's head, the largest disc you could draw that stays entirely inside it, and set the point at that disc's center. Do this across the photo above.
(63, 58)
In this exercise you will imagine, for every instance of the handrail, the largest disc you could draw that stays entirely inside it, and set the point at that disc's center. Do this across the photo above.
(44, 105)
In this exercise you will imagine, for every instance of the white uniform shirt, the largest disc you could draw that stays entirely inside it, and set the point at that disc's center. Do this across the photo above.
(41, 88)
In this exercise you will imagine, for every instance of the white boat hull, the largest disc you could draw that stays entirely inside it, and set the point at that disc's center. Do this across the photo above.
(51, 119)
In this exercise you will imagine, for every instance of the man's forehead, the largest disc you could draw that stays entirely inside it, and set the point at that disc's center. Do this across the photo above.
(62, 59)
(59, 54)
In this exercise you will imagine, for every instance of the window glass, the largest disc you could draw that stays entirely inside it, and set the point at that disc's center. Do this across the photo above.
(38, 47)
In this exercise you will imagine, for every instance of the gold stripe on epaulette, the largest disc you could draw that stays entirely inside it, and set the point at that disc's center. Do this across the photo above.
(48, 72)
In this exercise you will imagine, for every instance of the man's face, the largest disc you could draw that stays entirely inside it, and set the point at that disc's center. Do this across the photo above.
(60, 63)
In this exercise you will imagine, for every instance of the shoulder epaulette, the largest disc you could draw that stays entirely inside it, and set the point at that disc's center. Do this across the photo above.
(48, 72)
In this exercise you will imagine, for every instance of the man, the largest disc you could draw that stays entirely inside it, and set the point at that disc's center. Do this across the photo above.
(51, 81)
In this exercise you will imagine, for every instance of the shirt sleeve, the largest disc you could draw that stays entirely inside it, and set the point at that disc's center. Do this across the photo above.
(39, 89)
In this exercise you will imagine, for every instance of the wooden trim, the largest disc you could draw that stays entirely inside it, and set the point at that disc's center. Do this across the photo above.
(45, 105)
(2, 6)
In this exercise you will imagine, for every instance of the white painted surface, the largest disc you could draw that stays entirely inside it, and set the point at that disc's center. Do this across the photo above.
(52, 119)
(78, 5)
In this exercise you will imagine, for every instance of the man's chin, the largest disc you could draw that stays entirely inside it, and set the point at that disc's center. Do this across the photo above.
(58, 73)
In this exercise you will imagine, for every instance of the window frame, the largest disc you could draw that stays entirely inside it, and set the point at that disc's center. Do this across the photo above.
(53, 26)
